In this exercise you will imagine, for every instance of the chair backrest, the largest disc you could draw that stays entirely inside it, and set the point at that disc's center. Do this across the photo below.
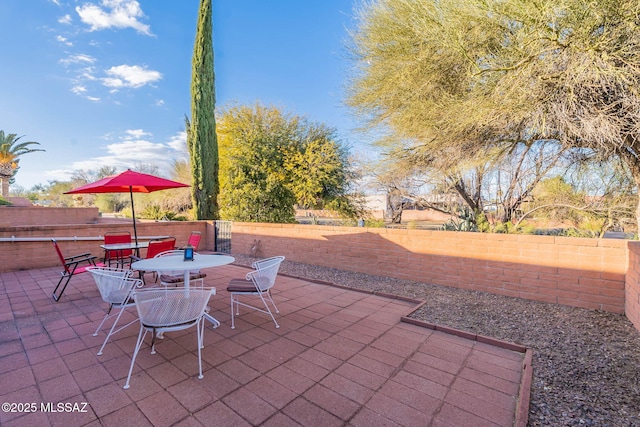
(170, 253)
(194, 239)
(166, 307)
(113, 237)
(161, 245)
(115, 285)
(61, 257)
(266, 271)
(266, 262)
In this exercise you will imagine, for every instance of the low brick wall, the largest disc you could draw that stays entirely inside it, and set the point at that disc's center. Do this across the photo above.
(14, 216)
(587, 273)
(38, 254)
(632, 297)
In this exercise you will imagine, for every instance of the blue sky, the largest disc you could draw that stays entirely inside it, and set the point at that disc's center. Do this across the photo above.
(106, 82)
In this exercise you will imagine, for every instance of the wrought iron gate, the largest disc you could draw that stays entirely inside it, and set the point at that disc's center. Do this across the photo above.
(223, 236)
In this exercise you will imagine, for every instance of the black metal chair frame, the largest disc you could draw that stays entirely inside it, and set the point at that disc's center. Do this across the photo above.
(72, 267)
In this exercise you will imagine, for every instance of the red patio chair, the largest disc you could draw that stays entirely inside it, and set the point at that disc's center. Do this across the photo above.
(194, 240)
(160, 245)
(156, 247)
(119, 256)
(71, 266)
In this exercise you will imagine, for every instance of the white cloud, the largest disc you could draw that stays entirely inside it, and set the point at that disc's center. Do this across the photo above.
(159, 103)
(65, 20)
(133, 149)
(56, 174)
(136, 133)
(138, 150)
(78, 90)
(178, 142)
(78, 59)
(132, 76)
(81, 91)
(113, 14)
(87, 73)
(64, 40)
(56, 2)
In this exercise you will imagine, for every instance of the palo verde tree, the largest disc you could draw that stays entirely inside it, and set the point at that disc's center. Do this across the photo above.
(10, 151)
(201, 129)
(468, 80)
(272, 162)
(319, 170)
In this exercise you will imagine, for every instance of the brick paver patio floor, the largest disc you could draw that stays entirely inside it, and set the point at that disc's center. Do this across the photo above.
(340, 357)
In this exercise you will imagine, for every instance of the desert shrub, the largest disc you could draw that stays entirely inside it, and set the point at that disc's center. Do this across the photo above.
(374, 223)
(465, 221)
(156, 212)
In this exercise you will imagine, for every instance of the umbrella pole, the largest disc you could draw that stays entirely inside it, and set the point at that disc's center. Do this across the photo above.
(133, 214)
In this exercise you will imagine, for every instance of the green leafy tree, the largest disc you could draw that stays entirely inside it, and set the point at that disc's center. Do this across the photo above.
(559, 201)
(272, 162)
(54, 194)
(201, 129)
(603, 200)
(319, 170)
(10, 151)
(252, 174)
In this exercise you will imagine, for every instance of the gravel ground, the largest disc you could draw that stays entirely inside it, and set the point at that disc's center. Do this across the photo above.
(586, 363)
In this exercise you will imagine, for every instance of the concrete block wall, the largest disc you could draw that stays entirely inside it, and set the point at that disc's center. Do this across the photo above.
(587, 273)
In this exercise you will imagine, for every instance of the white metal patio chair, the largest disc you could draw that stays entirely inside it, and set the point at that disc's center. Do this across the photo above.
(165, 310)
(176, 278)
(115, 286)
(257, 283)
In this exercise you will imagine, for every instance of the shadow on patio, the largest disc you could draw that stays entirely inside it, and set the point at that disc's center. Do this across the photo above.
(340, 357)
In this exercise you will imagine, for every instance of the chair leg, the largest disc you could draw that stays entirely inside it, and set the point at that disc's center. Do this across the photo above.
(200, 333)
(104, 319)
(155, 334)
(235, 298)
(271, 299)
(268, 309)
(141, 336)
(111, 331)
(56, 298)
(233, 325)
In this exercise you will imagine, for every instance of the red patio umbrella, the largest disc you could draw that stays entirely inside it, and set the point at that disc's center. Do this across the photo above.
(128, 182)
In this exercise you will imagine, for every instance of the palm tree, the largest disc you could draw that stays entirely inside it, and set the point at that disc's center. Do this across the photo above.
(10, 151)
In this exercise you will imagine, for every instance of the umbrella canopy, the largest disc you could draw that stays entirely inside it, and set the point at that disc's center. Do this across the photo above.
(128, 182)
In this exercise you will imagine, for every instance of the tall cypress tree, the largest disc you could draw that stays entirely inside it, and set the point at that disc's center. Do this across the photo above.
(201, 131)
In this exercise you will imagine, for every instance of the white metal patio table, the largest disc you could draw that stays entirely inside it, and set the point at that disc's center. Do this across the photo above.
(177, 263)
